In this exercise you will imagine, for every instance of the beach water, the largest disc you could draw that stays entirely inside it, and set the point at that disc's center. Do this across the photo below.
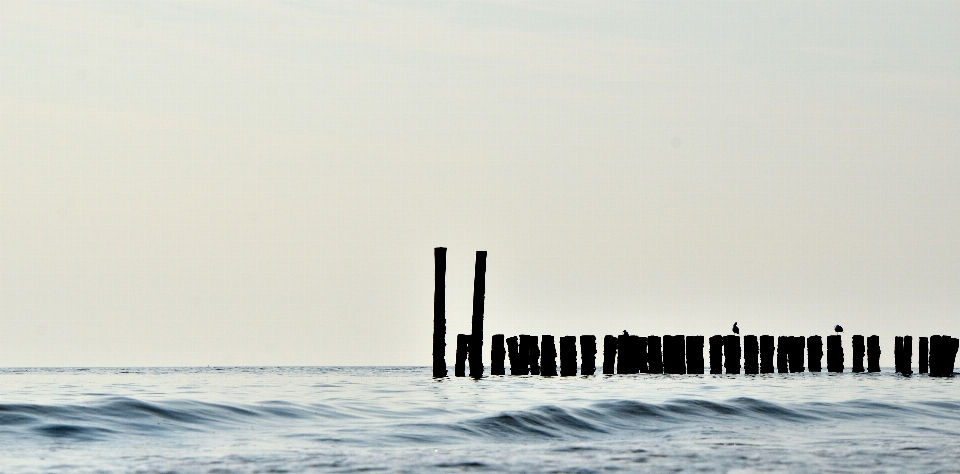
(295, 419)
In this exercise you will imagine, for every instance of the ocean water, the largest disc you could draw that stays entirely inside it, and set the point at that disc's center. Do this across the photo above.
(294, 419)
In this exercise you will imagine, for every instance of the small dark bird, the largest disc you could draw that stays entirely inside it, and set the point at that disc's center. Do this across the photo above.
(736, 330)
(625, 333)
(838, 328)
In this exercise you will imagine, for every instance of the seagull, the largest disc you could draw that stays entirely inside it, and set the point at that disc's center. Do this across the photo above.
(736, 330)
(838, 328)
(625, 333)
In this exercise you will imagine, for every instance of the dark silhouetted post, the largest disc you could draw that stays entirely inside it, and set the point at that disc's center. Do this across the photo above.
(815, 353)
(751, 355)
(873, 354)
(497, 354)
(795, 356)
(548, 364)
(924, 354)
(641, 357)
(936, 355)
(517, 365)
(673, 362)
(609, 354)
(951, 356)
(731, 354)
(694, 354)
(588, 355)
(526, 358)
(834, 353)
(766, 354)
(859, 350)
(568, 356)
(898, 354)
(943, 355)
(476, 336)
(463, 349)
(716, 354)
(624, 354)
(783, 353)
(533, 357)
(654, 355)
(907, 358)
(439, 312)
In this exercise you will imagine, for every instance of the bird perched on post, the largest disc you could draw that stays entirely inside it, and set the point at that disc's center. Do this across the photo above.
(625, 333)
(736, 330)
(838, 328)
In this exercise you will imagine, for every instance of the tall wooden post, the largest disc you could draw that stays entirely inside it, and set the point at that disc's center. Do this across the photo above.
(439, 312)
(476, 337)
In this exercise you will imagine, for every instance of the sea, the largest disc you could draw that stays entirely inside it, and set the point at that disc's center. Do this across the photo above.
(400, 419)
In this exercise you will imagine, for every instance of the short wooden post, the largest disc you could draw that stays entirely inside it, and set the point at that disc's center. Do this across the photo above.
(924, 354)
(497, 355)
(533, 355)
(694, 354)
(588, 355)
(766, 354)
(834, 353)
(517, 361)
(873, 353)
(568, 356)
(609, 354)
(815, 353)
(859, 350)
(463, 349)
(783, 354)
(654, 355)
(673, 360)
(795, 356)
(716, 354)
(624, 354)
(907, 358)
(751, 355)
(548, 359)
(731, 354)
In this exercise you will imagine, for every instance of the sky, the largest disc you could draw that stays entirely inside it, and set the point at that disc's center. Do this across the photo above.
(263, 183)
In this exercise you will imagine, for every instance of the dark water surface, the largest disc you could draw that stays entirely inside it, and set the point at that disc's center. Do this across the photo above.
(398, 419)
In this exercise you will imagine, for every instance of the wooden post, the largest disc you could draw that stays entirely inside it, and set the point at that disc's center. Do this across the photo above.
(526, 355)
(533, 355)
(873, 354)
(751, 355)
(716, 354)
(476, 337)
(731, 354)
(609, 354)
(497, 354)
(859, 350)
(624, 354)
(568, 356)
(654, 355)
(907, 358)
(766, 354)
(517, 365)
(694, 354)
(834, 353)
(783, 351)
(439, 312)
(924, 354)
(548, 359)
(815, 353)
(898, 354)
(673, 360)
(463, 349)
(795, 356)
(588, 355)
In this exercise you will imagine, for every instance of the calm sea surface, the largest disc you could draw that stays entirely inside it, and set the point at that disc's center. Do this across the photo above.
(398, 419)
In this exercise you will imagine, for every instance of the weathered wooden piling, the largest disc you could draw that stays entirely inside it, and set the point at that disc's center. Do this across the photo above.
(731, 354)
(783, 354)
(476, 337)
(654, 355)
(815, 353)
(907, 359)
(518, 364)
(533, 355)
(439, 312)
(568, 356)
(588, 355)
(859, 350)
(834, 353)
(694, 354)
(624, 354)
(641, 356)
(943, 355)
(873, 353)
(751, 355)
(766, 354)
(463, 349)
(609, 354)
(716, 354)
(548, 358)
(673, 355)
(526, 355)
(497, 355)
(924, 354)
(795, 356)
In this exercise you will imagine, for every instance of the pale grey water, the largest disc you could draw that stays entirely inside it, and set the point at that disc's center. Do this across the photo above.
(399, 419)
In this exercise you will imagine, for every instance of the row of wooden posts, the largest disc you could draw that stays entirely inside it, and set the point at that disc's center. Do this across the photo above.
(630, 354)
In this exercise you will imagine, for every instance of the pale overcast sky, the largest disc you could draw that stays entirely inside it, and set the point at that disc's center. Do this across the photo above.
(263, 183)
